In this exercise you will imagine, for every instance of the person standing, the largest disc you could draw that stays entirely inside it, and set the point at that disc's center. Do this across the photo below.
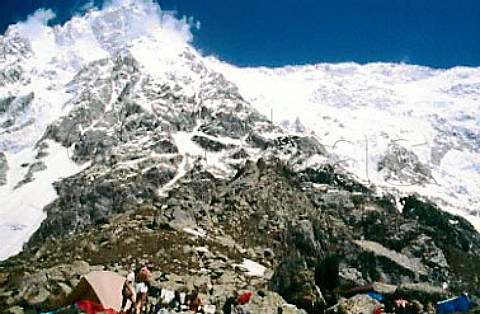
(128, 292)
(142, 283)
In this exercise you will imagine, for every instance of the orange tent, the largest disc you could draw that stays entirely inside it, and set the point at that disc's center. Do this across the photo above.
(103, 287)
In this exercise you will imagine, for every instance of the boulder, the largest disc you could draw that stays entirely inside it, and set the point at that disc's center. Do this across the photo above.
(35, 294)
(269, 303)
(423, 292)
(360, 303)
(394, 267)
(295, 283)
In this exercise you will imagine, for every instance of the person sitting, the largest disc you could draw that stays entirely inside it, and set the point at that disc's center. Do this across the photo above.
(403, 306)
(195, 303)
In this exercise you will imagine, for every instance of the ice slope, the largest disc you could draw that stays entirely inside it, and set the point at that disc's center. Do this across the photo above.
(21, 210)
(358, 110)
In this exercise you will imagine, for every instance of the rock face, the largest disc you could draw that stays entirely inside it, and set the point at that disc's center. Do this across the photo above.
(296, 283)
(12, 114)
(3, 169)
(401, 165)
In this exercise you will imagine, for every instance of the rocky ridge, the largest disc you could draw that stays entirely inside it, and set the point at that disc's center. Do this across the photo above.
(267, 215)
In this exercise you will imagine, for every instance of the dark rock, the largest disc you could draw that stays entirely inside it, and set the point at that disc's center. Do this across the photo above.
(240, 154)
(425, 249)
(258, 141)
(3, 169)
(208, 144)
(5, 104)
(226, 124)
(327, 174)
(378, 263)
(297, 144)
(456, 231)
(15, 105)
(164, 146)
(327, 275)
(295, 283)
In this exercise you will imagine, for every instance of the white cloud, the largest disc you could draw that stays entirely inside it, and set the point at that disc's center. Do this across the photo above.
(98, 30)
(40, 35)
(149, 19)
(35, 24)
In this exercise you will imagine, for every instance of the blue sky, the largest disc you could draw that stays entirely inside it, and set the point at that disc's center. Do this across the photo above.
(437, 33)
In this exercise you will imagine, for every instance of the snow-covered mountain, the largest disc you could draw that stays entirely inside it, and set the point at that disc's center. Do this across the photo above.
(404, 128)
(120, 92)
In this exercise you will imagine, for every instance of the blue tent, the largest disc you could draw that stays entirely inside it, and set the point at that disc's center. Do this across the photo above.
(459, 304)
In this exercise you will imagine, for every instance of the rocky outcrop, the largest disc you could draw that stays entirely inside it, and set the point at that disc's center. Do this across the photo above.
(456, 231)
(295, 281)
(3, 169)
(270, 303)
(13, 51)
(80, 205)
(36, 166)
(5, 104)
(12, 112)
(401, 165)
(208, 144)
(400, 259)
(299, 145)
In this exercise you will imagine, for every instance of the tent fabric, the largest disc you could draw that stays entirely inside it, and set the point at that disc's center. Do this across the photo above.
(244, 298)
(375, 296)
(377, 310)
(458, 304)
(91, 307)
(102, 287)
